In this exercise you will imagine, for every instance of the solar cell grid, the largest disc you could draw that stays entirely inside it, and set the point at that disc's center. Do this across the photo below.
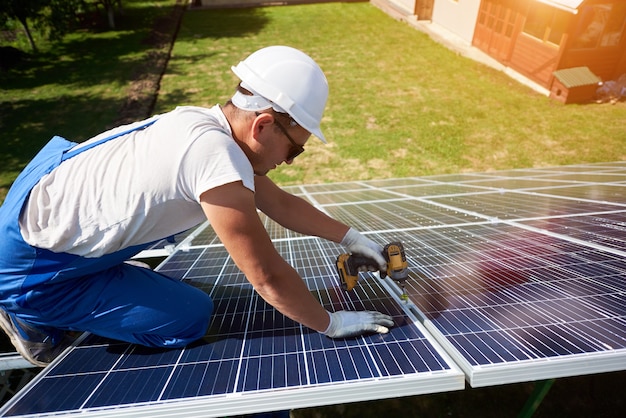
(513, 205)
(249, 349)
(513, 286)
(512, 174)
(458, 178)
(425, 190)
(590, 177)
(334, 187)
(352, 196)
(276, 231)
(397, 182)
(543, 302)
(397, 214)
(518, 183)
(606, 192)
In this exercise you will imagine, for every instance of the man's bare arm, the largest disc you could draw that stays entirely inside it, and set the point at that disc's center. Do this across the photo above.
(295, 213)
(231, 210)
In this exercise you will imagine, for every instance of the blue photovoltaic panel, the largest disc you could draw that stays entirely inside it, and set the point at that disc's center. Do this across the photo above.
(503, 296)
(606, 230)
(517, 275)
(536, 291)
(516, 205)
(250, 350)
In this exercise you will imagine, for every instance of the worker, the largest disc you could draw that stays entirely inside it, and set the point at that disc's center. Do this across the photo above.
(78, 212)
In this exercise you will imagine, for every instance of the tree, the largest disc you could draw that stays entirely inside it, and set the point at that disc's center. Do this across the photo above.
(23, 11)
(57, 17)
(62, 16)
(109, 8)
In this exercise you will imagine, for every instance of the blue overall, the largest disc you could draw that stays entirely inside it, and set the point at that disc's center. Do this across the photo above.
(103, 295)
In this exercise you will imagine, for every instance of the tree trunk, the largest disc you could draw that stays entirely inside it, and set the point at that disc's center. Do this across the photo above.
(111, 16)
(28, 34)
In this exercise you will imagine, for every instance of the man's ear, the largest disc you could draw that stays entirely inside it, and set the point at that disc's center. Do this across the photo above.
(261, 125)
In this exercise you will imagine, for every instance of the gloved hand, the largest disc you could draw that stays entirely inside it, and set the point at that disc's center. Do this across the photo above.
(359, 244)
(344, 324)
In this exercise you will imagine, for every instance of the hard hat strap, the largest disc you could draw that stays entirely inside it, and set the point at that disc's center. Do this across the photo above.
(253, 102)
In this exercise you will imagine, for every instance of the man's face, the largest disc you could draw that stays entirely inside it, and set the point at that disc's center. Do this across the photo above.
(280, 143)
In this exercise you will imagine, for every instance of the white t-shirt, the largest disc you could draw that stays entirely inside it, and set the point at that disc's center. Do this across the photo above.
(135, 189)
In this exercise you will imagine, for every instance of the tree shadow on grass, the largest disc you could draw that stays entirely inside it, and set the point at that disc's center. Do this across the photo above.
(222, 23)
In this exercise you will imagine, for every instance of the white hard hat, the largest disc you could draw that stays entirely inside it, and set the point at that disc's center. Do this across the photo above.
(290, 80)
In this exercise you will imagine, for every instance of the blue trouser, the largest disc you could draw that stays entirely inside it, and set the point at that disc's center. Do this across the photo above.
(101, 295)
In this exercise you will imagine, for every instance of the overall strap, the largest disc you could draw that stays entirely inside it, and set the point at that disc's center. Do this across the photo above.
(74, 152)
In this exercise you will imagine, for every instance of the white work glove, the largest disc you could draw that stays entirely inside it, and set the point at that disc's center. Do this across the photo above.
(345, 324)
(359, 244)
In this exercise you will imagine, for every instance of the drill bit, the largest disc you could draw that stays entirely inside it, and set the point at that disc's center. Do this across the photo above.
(404, 296)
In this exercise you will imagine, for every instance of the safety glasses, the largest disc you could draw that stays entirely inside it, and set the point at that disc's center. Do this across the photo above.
(296, 149)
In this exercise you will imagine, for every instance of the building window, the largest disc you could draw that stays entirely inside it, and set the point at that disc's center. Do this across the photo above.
(601, 25)
(498, 16)
(546, 23)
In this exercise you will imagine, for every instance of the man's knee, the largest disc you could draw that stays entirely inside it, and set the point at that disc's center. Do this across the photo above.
(189, 326)
(199, 319)
(193, 322)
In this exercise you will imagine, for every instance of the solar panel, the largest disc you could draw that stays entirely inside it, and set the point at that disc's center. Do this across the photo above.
(253, 358)
(515, 275)
(535, 291)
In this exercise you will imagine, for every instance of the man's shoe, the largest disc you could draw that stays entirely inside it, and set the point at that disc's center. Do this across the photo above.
(35, 345)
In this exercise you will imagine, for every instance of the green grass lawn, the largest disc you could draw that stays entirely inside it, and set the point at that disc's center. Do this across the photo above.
(400, 104)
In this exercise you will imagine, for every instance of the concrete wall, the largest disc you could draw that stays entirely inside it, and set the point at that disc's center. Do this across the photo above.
(459, 17)
(407, 6)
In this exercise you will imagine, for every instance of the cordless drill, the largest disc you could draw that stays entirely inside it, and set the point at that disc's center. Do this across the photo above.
(349, 265)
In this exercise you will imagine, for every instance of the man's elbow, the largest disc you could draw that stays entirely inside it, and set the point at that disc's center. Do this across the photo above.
(271, 280)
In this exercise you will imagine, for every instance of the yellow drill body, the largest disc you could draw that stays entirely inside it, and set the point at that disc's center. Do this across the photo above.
(349, 265)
